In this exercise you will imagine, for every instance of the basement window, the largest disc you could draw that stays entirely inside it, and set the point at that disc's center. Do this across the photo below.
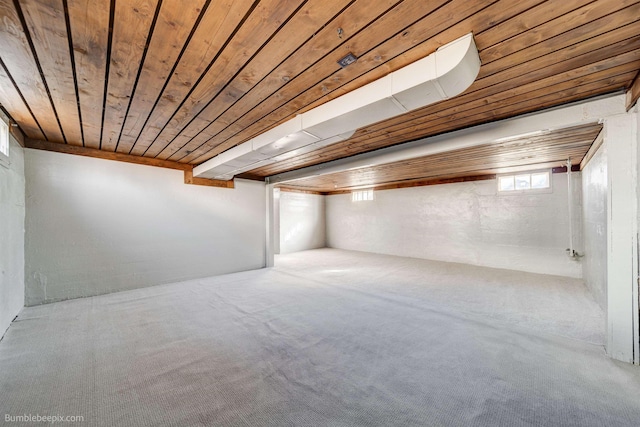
(524, 182)
(362, 195)
(4, 144)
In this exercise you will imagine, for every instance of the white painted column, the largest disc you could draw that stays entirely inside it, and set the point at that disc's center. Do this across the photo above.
(622, 245)
(276, 221)
(271, 236)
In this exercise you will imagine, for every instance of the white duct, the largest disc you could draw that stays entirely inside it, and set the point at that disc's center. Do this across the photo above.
(447, 72)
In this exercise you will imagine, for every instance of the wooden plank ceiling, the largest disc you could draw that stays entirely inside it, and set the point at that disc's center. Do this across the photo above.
(185, 80)
(545, 150)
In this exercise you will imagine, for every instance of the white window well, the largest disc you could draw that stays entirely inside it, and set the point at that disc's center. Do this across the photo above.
(362, 195)
(521, 182)
(4, 143)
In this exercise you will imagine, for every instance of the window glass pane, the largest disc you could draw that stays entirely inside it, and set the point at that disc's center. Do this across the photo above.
(362, 195)
(540, 180)
(369, 194)
(506, 183)
(4, 138)
(523, 182)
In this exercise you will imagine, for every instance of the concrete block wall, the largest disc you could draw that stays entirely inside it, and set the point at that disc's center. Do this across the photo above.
(96, 226)
(464, 222)
(12, 217)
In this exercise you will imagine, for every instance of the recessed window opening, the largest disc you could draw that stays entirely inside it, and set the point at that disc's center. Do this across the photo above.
(4, 143)
(362, 195)
(524, 181)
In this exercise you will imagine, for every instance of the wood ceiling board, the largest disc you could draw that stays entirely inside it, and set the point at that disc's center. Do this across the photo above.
(633, 92)
(19, 62)
(611, 55)
(218, 22)
(573, 14)
(533, 51)
(263, 22)
(384, 38)
(12, 101)
(131, 25)
(173, 27)
(352, 20)
(571, 36)
(89, 23)
(101, 154)
(47, 27)
(548, 149)
(259, 80)
(187, 112)
(486, 115)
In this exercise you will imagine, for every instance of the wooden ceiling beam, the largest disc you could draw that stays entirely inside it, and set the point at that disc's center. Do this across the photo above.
(633, 92)
(100, 154)
(189, 179)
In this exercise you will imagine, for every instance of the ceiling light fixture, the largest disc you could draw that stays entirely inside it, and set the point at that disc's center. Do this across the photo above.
(447, 72)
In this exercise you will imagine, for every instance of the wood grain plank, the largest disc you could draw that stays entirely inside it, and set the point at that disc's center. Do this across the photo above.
(521, 23)
(261, 99)
(518, 153)
(633, 92)
(101, 154)
(175, 22)
(89, 22)
(46, 22)
(258, 28)
(213, 32)
(20, 64)
(12, 101)
(514, 95)
(357, 16)
(189, 179)
(132, 22)
(611, 55)
(314, 15)
(585, 28)
(495, 112)
(587, 49)
(372, 47)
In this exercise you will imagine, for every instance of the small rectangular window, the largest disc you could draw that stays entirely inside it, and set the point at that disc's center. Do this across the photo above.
(506, 183)
(4, 143)
(524, 182)
(362, 195)
(540, 180)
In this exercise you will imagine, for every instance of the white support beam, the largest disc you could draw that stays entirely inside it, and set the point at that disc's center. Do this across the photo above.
(621, 134)
(270, 235)
(556, 118)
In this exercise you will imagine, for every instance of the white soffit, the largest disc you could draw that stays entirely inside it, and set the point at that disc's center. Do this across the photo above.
(447, 72)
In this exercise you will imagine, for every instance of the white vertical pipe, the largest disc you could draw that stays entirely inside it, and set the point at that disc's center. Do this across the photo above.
(570, 251)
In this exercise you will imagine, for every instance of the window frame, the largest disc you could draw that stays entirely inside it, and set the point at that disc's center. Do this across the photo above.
(529, 190)
(366, 195)
(6, 135)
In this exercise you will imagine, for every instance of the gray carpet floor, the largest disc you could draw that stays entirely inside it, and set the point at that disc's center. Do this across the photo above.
(326, 338)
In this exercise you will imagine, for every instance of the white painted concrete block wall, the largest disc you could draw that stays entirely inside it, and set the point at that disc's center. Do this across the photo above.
(97, 226)
(594, 211)
(463, 222)
(302, 222)
(12, 213)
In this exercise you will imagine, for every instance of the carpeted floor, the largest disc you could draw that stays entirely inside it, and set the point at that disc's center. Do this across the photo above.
(326, 338)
